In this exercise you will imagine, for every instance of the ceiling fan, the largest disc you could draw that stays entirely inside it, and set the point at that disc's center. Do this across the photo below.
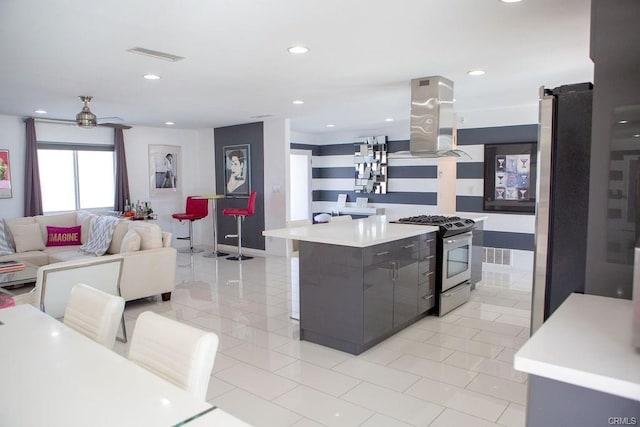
(87, 120)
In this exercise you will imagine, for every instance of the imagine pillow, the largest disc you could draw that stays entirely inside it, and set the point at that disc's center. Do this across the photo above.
(130, 242)
(6, 245)
(27, 237)
(63, 236)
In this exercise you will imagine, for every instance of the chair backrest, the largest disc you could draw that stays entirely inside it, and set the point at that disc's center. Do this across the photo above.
(54, 281)
(94, 313)
(197, 206)
(340, 218)
(251, 204)
(179, 353)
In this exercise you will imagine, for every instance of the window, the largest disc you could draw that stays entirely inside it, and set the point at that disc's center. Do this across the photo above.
(74, 176)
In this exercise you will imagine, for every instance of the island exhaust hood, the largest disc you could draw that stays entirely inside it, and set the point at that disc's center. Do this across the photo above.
(432, 120)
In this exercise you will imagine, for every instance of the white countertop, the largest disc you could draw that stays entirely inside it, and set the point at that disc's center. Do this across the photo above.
(586, 342)
(358, 233)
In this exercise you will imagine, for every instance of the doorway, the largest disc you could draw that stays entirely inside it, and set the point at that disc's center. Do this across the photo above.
(300, 185)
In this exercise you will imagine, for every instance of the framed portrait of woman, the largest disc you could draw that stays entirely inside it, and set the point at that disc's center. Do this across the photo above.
(164, 170)
(237, 170)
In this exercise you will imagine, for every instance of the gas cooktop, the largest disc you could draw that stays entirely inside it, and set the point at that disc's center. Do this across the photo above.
(448, 225)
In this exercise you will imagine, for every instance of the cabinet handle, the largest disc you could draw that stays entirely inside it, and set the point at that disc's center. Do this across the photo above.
(408, 246)
(430, 240)
(429, 257)
(426, 297)
(428, 273)
(382, 253)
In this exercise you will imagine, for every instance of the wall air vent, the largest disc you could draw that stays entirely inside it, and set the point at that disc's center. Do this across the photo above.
(155, 54)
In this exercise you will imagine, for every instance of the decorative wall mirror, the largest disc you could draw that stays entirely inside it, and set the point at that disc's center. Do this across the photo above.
(370, 160)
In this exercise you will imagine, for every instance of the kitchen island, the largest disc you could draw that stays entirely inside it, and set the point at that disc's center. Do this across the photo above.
(362, 280)
(584, 370)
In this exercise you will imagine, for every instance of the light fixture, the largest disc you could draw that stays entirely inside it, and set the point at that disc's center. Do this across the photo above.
(298, 102)
(85, 118)
(510, 1)
(331, 125)
(169, 123)
(637, 135)
(298, 49)
(388, 119)
(40, 111)
(623, 121)
(476, 72)
(151, 77)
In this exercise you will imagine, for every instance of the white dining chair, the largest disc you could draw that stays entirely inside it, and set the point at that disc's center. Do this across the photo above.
(94, 313)
(340, 218)
(179, 353)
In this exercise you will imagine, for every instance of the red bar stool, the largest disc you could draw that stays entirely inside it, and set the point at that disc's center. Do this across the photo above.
(196, 209)
(241, 214)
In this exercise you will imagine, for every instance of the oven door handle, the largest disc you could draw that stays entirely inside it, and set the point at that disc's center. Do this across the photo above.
(458, 238)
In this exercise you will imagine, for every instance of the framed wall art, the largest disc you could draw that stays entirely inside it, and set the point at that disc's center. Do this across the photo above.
(510, 177)
(5, 175)
(164, 170)
(237, 170)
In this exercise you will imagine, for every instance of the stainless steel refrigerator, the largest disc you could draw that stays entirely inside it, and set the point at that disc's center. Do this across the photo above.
(562, 206)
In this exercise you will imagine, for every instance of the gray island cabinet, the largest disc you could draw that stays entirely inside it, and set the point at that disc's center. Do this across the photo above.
(351, 298)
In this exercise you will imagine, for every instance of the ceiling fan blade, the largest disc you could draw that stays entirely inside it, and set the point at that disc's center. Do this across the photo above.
(114, 125)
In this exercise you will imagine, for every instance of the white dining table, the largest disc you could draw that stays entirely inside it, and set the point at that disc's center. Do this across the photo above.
(50, 375)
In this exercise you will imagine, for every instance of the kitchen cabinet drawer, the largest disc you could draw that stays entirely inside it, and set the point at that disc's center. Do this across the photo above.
(428, 276)
(379, 253)
(428, 264)
(426, 296)
(427, 242)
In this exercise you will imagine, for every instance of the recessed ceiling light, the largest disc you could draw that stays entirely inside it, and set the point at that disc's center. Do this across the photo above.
(637, 135)
(331, 126)
(622, 121)
(169, 123)
(298, 49)
(388, 119)
(40, 111)
(151, 77)
(510, 1)
(476, 72)
(298, 102)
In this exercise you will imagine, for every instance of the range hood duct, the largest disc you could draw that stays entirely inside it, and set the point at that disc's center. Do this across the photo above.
(432, 120)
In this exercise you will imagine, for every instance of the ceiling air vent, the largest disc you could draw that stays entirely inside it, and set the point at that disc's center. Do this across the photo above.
(155, 54)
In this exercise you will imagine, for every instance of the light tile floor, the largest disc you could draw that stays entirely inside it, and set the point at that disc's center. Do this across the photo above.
(450, 371)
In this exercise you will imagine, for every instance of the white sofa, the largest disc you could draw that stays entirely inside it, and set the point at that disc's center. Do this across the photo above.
(147, 270)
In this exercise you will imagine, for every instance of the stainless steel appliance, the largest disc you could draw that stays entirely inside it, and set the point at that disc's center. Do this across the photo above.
(562, 205)
(453, 270)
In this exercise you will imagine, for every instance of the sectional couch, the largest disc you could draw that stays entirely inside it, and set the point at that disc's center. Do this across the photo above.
(149, 261)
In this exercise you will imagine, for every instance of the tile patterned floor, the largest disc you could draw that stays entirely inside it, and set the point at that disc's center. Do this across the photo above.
(449, 371)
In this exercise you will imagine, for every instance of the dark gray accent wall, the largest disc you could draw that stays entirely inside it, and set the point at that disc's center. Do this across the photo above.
(396, 197)
(498, 135)
(501, 239)
(252, 134)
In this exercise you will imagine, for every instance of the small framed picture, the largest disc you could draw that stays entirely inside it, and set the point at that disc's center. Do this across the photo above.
(510, 177)
(5, 175)
(237, 170)
(164, 170)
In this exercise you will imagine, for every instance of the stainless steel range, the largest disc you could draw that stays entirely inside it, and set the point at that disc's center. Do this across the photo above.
(453, 270)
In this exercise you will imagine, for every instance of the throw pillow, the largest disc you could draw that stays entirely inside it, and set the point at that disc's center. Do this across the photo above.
(150, 235)
(100, 236)
(6, 245)
(63, 236)
(130, 242)
(27, 237)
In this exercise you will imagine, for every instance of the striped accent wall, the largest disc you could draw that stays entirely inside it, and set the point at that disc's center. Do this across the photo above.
(412, 183)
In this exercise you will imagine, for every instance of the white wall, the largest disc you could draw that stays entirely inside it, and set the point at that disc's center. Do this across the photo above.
(12, 138)
(196, 172)
(276, 179)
